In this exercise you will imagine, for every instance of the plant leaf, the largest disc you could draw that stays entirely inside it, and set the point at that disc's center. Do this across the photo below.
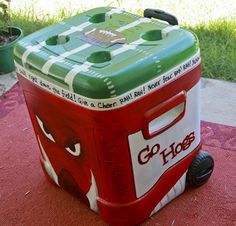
(3, 6)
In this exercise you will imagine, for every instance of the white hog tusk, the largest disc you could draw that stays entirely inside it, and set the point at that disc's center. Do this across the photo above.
(49, 136)
(47, 164)
(93, 194)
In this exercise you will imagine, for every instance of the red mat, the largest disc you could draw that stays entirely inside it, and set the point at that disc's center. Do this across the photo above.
(26, 198)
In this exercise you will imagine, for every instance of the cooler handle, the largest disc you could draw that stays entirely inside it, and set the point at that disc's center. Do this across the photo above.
(164, 115)
(161, 15)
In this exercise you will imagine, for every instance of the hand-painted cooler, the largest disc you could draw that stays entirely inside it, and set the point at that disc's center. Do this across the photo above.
(114, 102)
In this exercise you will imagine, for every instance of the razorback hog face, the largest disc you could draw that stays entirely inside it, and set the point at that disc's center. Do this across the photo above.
(64, 158)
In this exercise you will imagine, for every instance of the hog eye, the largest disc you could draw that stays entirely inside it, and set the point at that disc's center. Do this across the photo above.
(74, 149)
(45, 129)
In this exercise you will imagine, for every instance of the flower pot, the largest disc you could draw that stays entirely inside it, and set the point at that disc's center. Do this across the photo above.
(6, 52)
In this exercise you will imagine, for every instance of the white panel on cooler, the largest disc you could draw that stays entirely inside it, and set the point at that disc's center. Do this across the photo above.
(152, 157)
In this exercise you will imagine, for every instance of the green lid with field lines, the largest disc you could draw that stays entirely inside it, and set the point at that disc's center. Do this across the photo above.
(106, 52)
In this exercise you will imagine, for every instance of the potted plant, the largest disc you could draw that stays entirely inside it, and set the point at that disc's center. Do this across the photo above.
(9, 35)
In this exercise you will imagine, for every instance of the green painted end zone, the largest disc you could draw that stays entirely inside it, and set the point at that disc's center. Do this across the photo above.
(105, 52)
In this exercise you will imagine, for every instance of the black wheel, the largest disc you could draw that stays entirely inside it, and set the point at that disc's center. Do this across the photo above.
(200, 169)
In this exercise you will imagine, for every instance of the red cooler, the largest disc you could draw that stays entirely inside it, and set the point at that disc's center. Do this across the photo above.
(114, 102)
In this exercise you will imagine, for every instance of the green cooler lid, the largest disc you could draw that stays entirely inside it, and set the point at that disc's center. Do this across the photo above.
(106, 53)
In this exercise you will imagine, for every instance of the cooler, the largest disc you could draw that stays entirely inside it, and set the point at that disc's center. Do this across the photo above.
(114, 102)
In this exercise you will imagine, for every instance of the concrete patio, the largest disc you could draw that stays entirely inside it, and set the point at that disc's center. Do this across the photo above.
(218, 101)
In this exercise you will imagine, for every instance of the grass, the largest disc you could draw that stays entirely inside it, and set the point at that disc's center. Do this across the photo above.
(29, 22)
(217, 36)
(218, 48)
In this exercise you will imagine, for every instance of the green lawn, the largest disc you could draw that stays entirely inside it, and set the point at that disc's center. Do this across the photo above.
(218, 48)
(217, 35)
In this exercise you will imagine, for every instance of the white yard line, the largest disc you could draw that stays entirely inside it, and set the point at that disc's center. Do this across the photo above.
(30, 49)
(133, 24)
(69, 78)
(126, 47)
(74, 29)
(60, 58)
(168, 29)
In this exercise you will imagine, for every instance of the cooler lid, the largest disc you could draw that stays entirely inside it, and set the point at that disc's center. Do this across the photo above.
(106, 52)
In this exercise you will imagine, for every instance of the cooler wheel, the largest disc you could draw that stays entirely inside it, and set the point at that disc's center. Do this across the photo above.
(200, 169)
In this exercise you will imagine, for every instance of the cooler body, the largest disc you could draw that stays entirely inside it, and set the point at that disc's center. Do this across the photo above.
(114, 102)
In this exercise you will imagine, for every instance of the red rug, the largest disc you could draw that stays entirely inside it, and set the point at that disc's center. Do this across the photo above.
(26, 198)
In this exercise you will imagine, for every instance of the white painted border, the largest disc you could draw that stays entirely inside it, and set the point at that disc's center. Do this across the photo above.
(118, 101)
(175, 191)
